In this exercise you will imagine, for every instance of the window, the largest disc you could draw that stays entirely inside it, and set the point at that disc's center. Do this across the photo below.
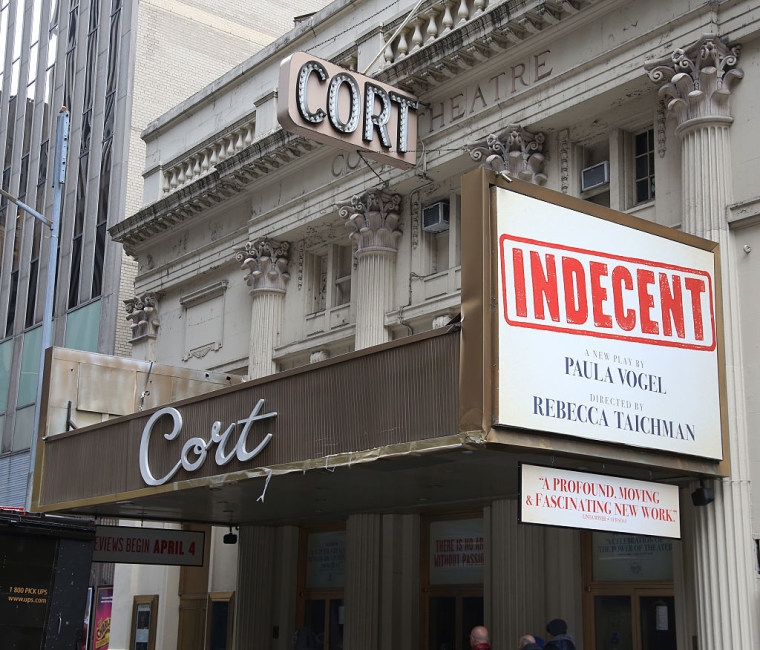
(6, 352)
(30, 366)
(643, 147)
(330, 278)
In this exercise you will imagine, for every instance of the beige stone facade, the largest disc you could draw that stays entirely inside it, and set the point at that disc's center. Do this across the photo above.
(658, 98)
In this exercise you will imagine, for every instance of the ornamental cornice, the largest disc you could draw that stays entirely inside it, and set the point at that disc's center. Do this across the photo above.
(696, 81)
(229, 178)
(451, 36)
(266, 261)
(372, 220)
(516, 152)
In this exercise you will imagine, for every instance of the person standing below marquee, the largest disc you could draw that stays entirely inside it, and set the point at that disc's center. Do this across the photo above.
(558, 639)
(479, 638)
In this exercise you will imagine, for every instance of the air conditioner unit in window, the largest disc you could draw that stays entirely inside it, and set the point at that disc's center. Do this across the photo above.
(435, 218)
(595, 176)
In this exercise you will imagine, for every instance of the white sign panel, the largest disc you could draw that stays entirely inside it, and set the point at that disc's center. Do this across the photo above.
(558, 497)
(130, 545)
(606, 332)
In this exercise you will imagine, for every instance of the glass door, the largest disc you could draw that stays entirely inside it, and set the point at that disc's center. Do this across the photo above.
(452, 582)
(642, 619)
(628, 592)
(450, 619)
(320, 593)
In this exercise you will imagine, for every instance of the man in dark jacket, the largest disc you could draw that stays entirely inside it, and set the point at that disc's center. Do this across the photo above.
(558, 638)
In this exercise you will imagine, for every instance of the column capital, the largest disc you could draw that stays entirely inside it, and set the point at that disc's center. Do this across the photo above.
(142, 313)
(697, 80)
(266, 261)
(372, 220)
(516, 152)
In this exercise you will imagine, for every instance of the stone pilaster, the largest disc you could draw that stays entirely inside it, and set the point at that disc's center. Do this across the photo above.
(362, 588)
(516, 152)
(697, 82)
(515, 560)
(267, 591)
(373, 221)
(255, 585)
(400, 583)
(266, 262)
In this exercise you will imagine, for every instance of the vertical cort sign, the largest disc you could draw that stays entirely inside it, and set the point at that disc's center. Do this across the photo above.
(606, 331)
(329, 104)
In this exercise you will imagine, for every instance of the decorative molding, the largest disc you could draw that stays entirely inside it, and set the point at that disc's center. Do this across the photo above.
(206, 335)
(318, 355)
(564, 160)
(698, 80)
(744, 214)
(415, 212)
(373, 220)
(516, 152)
(266, 261)
(301, 258)
(203, 294)
(202, 351)
(142, 312)
(660, 127)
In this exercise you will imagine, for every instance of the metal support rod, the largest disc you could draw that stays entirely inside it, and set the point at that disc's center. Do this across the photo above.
(59, 178)
(26, 208)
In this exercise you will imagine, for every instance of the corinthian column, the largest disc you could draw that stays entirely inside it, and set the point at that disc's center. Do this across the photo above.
(266, 262)
(373, 223)
(697, 81)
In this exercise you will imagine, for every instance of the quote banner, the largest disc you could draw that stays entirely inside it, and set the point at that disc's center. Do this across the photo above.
(557, 497)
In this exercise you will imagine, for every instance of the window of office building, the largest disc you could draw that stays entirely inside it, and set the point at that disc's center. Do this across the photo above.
(6, 351)
(30, 365)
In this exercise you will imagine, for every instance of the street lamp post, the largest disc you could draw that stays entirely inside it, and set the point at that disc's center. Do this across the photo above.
(59, 178)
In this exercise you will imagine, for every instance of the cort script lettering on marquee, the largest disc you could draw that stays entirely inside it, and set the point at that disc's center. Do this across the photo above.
(606, 331)
(200, 447)
(329, 104)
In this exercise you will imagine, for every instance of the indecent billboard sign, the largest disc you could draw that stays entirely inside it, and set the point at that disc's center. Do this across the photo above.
(332, 105)
(558, 497)
(606, 332)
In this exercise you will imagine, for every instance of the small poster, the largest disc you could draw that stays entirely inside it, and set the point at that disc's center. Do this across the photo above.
(457, 553)
(142, 626)
(326, 560)
(102, 631)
